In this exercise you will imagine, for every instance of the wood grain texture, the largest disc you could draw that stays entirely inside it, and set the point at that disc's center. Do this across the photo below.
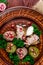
(28, 3)
(21, 12)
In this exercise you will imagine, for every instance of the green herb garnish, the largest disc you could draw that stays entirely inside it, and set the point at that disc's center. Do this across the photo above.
(3, 1)
(36, 30)
(1, 36)
(28, 58)
(14, 58)
(18, 42)
(3, 42)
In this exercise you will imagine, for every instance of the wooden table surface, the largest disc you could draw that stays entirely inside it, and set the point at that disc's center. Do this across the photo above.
(28, 3)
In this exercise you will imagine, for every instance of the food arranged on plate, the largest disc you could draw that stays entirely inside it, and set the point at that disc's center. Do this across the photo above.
(20, 32)
(34, 51)
(32, 40)
(21, 44)
(2, 7)
(10, 47)
(9, 35)
(22, 52)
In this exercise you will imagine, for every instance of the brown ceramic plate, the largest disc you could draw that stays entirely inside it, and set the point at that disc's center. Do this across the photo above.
(22, 15)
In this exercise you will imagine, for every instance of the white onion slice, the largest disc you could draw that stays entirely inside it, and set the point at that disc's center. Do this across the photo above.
(29, 31)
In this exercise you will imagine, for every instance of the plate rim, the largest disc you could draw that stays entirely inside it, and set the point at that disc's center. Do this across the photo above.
(15, 8)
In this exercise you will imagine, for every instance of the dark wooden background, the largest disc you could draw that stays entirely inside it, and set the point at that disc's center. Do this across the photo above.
(28, 3)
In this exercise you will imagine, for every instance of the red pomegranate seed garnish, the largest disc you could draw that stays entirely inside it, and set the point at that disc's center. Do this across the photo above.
(11, 36)
(20, 29)
(20, 50)
(23, 37)
(12, 26)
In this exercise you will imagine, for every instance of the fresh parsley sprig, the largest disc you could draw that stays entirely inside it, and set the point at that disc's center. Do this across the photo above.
(3, 1)
(36, 29)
